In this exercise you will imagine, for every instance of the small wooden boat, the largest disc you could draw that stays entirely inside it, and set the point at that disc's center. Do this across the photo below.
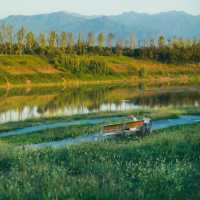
(141, 128)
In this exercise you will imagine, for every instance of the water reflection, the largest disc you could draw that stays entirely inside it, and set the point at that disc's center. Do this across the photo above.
(21, 104)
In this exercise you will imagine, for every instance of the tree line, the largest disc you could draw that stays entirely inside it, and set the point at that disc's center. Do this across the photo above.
(175, 50)
(22, 41)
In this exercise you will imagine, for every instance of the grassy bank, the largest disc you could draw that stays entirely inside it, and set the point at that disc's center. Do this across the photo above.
(27, 70)
(32, 70)
(164, 165)
(53, 134)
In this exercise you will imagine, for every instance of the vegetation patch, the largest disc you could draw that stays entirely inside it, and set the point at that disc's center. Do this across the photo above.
(64, 69)
(53, 134)
(163, 165)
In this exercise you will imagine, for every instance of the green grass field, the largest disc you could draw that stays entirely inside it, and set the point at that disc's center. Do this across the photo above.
(29, 70)
(164, 165)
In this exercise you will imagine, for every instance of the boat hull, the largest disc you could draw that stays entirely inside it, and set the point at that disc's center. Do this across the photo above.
(135, 127)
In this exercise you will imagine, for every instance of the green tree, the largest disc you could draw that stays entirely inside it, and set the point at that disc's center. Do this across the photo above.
(132, 41)
(58, 41)
(30, 40)
(161, 41)
(101, 40)
(119, 47)
(10, 38)
(42, 41)
(52, 39)
(63, 41)
(110, 40)
(80, 41)
(7, 38)
(20, 40)
(71, 41)
(80, 44)
(90, 39)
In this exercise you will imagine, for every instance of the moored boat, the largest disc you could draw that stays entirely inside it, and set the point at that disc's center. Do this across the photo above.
(138, 127)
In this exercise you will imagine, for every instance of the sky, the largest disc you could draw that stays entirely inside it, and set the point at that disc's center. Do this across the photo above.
(96, 7)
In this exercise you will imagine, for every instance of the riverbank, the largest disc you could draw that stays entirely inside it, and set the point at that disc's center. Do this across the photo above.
(57, 129)
(114, 169)
(153, 113)
(36, 71)
(59, 134)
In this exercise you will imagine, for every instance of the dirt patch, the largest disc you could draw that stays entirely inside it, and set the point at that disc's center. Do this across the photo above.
(29, 70)
(47, 70)
(119, 68)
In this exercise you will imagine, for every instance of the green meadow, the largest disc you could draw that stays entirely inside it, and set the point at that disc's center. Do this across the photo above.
(164, 165)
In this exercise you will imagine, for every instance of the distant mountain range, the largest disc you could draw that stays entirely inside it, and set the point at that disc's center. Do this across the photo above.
(144, 26)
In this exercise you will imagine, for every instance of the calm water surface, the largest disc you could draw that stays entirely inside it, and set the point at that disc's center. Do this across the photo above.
(21, 104)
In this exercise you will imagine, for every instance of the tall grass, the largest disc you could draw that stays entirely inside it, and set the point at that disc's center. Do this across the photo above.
(165, 165)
